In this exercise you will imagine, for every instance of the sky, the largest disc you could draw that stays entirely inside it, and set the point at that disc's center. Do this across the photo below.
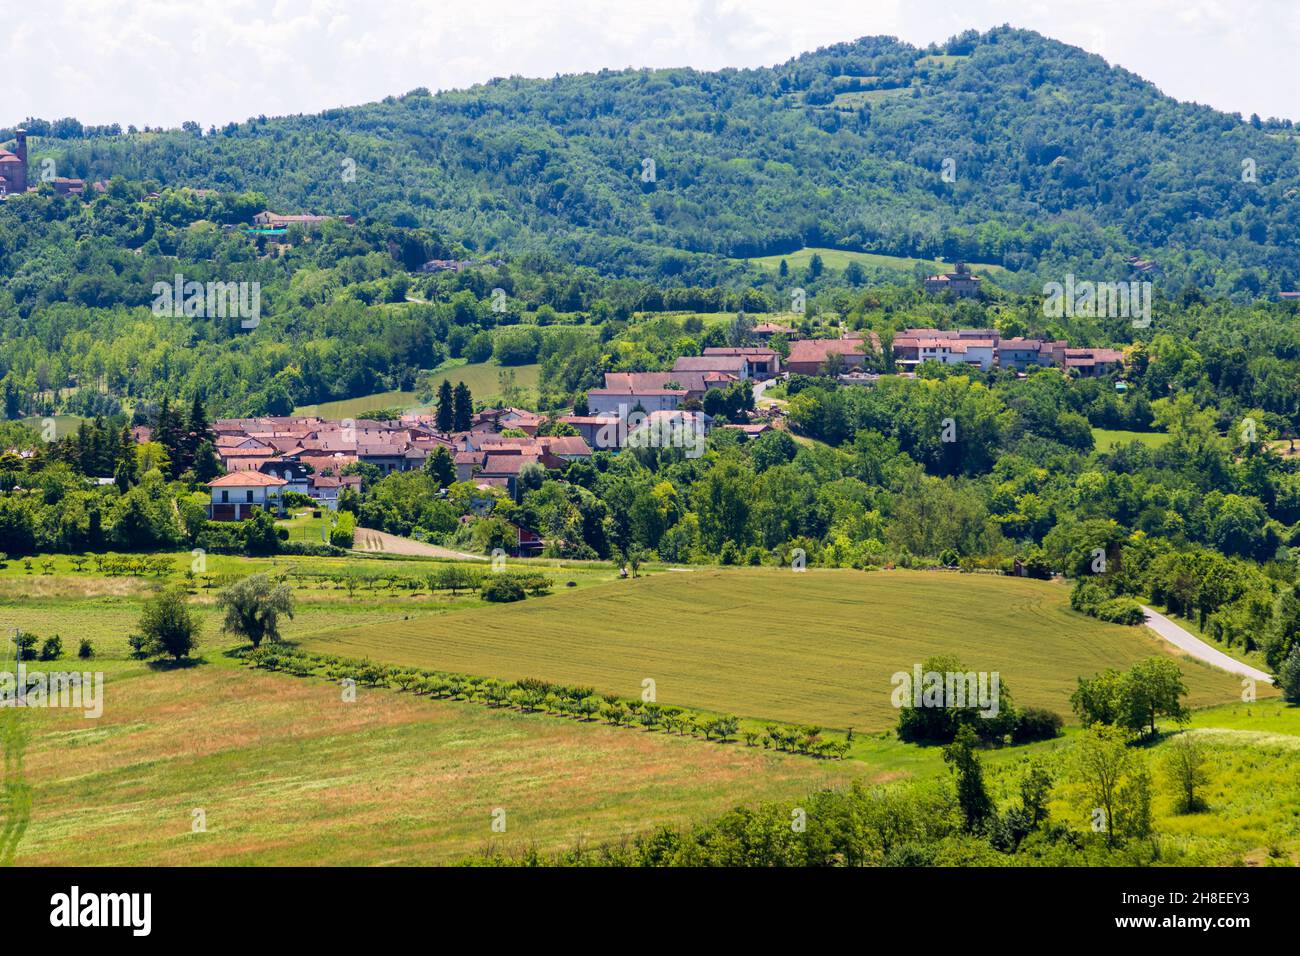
(161, 62)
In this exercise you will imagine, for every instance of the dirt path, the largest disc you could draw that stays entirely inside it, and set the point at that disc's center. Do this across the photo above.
(367, 539)
(1186, 641)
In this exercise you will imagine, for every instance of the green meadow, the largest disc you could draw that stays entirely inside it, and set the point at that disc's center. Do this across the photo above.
(287, 772)
(1105, 439)
(483, 379)
(819, 647)
(841, 258)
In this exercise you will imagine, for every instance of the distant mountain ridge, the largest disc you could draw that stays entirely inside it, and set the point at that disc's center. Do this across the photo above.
(1004, 147)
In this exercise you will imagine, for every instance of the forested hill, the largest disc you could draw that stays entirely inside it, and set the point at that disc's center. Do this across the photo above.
(1060, 163)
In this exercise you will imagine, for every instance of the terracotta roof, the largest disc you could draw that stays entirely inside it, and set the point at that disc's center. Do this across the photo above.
(637, 391)
(239, 453)
(508, 464)
(566, 444)
(647, 382)
(249, 479)
(817, 350)
(747, 352)
(710, 363)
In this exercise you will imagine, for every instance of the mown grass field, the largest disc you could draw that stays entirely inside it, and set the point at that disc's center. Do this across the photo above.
(482, 379)
(286, 772)
(106, 610)
(1105, 439)
(840, 259)
(63, 424)
(812, 648)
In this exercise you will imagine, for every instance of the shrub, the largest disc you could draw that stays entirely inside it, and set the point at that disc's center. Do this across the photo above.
(313, 549)
(52, 649)
(1288, 675)
(259, 535)
(500, 589)
(85, 650)
(1121, 610)
(343, 533)
(1086, 596)
(168, 626)
(1036, 723)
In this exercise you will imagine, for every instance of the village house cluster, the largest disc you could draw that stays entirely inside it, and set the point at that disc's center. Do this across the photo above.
(268, 456)
(265, 457)
(691, 377)
(986, 349)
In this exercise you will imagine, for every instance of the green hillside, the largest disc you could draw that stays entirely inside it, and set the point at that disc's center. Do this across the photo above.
(1051, 154)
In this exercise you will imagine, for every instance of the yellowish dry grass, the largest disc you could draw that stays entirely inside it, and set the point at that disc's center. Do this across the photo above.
(287, 773)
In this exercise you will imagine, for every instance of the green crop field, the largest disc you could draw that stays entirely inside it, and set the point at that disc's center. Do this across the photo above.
(840, 258)
(818, 647)
(355, 407)
(1104, 439)
(63, 424)
(482, 379)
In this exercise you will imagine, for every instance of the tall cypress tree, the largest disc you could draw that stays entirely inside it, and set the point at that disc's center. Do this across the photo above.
(464, 408)
(446, 410)
(126, 472)
(169, 433)
(197, 431)
(79, 448)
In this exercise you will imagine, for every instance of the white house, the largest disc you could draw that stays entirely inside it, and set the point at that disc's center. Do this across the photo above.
(237, 495)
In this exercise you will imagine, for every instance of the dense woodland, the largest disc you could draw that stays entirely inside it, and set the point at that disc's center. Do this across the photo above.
(1059, 163)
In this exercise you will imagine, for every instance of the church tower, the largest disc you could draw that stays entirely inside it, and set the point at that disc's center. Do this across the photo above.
(13, 166)
(21, 153)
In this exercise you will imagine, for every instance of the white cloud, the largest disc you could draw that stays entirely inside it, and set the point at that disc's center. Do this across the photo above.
(164, 61)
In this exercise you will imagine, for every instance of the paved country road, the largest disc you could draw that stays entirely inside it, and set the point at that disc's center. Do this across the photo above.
(1187, 641)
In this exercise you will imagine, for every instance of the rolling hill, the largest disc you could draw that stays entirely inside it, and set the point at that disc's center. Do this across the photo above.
(1054, 161)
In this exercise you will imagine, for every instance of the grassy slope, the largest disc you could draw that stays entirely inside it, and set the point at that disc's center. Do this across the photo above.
(840, 258)
(107, 609)
(287, 773)
(1107, 438)
(819, 647)
(482, 379)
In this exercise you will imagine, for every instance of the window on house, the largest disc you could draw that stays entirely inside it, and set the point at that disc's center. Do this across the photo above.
(225, 497)
(250, 497)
